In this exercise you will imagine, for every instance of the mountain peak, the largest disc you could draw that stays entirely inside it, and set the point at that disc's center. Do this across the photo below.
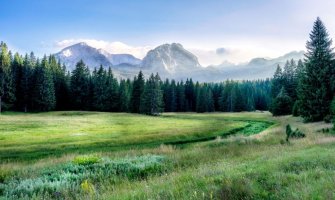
(170, 58)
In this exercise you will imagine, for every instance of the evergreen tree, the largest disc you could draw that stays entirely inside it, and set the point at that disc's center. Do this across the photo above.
(17, 71)
(125, 90)
(152, 97)
(43, 91)
(315, 91)
(189, 95)
(181, 100)
(25, 84)
(138, 87)
(100, 87)
(60, 83)
(80, 87)
(205, 101)
(277, 82)
(113, 92)
(289, 81)
(282, 104)
(7, 91)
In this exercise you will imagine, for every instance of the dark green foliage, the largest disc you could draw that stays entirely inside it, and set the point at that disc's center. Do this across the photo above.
(125, 90)
(315, 91)
(138, 87)
(43, 93)
(61, 83)
(152, 97)
(80, 87)
(181, 98)
(7, 87)
(295, 109)
(282, 104)
(205, 101)
(293, 134)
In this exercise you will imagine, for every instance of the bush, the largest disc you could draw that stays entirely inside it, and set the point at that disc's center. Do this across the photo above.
(86, 160)
(74, 176)
(293, 134)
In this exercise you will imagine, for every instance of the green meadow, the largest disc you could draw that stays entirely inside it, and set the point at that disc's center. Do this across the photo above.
(95, 155)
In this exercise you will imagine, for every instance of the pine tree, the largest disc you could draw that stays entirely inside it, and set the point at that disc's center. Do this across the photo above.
(277, 82)
(60, 82)
(25, 84)
(181, 100)
(125, 90)
(152, 97)
(138, 87)
(282, 104)
(289, 82)
(112, 92)
(100, 87)
(315, 91)
(43, 91)
(17, 71)
(189, 95)
(80, 87)
(7, 91)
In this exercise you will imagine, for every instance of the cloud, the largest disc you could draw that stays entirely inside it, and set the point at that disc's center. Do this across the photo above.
(112, 47)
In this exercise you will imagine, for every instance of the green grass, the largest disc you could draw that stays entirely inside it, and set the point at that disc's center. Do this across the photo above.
(175, 156)
(35, 136)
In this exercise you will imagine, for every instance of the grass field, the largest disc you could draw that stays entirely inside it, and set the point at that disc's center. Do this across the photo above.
(89, 155)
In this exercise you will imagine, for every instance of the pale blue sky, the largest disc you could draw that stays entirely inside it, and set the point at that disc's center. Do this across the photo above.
(246, 28)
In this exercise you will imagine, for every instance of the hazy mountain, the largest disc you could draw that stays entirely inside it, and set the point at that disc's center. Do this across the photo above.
(257, 68)
(91, 56)
(172, 61)
(118, 59)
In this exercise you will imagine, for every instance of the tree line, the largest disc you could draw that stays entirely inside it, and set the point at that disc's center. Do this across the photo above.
(307, 88)
(30, 84)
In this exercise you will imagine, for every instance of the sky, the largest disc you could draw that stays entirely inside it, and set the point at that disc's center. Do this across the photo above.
(214, 30)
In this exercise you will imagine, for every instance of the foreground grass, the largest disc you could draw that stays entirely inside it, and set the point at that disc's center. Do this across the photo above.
(242, 166)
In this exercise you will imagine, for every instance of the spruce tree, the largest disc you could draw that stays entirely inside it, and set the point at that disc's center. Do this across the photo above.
(138, 87)
(80, 87)
(100, 87)
(282, 104)
(277, 82)
(7, 91)
(124, 93)
(315, 91)
(152, 97)
(43, 91)
(112, 92)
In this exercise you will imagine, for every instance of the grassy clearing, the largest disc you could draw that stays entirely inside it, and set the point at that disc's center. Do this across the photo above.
(35, 136)
(244, 165)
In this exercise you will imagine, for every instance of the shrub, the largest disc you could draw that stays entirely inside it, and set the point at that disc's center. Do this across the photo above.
(74, 176)
(86, 160)
(87, 187)
(293, 134)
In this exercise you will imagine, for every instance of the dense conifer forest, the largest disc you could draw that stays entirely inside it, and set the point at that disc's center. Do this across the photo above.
(30, 84)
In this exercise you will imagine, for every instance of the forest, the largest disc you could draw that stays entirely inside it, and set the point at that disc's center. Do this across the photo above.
(29, 84)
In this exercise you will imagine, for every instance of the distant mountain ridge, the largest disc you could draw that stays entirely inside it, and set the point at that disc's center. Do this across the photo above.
(171, 61)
